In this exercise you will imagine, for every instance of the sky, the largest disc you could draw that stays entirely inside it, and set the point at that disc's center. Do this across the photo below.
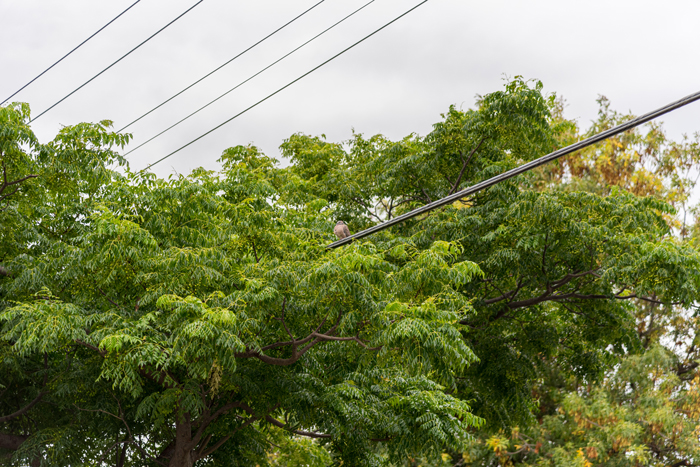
(640, 54)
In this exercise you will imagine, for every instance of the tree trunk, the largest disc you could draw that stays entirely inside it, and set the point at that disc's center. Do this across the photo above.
(11, 442)
(122, 458)
(183, 455)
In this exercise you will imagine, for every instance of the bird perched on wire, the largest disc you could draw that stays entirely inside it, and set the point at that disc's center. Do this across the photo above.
(341, 230)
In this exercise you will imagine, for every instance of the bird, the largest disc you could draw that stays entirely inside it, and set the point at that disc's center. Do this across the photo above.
(341, 230)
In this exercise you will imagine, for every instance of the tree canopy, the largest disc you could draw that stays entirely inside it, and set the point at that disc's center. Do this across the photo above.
(200, 320)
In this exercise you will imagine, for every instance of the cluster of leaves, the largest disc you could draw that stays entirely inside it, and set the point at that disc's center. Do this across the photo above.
(643, 161)
(641, 414)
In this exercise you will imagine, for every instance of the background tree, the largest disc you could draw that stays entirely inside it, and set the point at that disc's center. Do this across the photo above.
(557, 297)
(642, 409)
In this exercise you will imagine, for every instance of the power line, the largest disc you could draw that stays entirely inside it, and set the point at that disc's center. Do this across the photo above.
(245, 81)
(118, 60)
(76, 48)
(220, 67)
(284, 87)
(521, 169)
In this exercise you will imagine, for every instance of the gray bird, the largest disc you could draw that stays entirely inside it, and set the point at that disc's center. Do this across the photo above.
(341, 230)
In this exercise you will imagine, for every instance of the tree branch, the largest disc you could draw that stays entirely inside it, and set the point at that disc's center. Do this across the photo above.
(296, 354)
(683, 369)
(24, 409)
(91, 347)
(35, 401)
(207, 418)
(225, 438)
(367, 208)
(6, 184)
(308, 434)
(108, 299)
(325, 337)
(255, 252)
(464, 166)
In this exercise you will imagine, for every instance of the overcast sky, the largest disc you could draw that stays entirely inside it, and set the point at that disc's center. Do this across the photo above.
(640, 54)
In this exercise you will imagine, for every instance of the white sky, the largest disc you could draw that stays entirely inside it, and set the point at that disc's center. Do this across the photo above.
(640, 54)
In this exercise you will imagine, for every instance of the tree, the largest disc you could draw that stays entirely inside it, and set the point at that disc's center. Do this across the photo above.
(561, 269)
(643, 161)
(213, 312)
(642, 410)
(189, 320)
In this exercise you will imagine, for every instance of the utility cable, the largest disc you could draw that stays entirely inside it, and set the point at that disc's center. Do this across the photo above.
(283, 87)
(118, 60)
(76, 48)
(220, 67)
(521, 169)
(245, 81)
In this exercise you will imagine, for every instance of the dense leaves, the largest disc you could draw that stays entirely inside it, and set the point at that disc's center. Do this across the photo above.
(199, 319)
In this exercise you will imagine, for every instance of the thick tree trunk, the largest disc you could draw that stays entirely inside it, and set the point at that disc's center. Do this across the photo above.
(166, 453)
(183, 455)
(11, 442)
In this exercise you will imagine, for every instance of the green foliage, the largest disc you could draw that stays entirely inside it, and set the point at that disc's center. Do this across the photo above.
(200, 320)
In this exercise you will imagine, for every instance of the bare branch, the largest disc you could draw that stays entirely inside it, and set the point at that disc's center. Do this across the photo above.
(162, 377)
(294, 342)
(207, 418)
(367, 208)
(296, 354)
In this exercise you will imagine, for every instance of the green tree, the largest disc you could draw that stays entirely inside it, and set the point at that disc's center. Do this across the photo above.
(200, 319)
(642, 410)
(202, 311)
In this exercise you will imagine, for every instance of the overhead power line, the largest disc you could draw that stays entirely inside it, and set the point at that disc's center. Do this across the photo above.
(118, 60)
(76, 48)
(248, 79)
(519, 170)
(220, 67)
(285, 86)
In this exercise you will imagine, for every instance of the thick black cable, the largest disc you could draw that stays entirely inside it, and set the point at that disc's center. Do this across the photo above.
(220, 67)
(118, 60)
(283, 87)
(521, 169)
(245, 81)
(76, 48)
